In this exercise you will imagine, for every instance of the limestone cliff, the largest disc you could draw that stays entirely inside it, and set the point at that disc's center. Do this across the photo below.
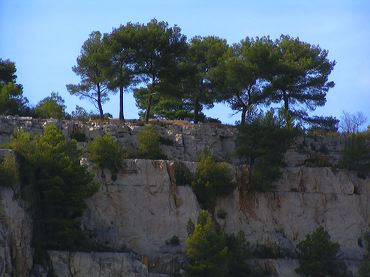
(134, 216)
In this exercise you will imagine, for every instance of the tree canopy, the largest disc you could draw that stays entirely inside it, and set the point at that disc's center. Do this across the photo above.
(51, 106)
(198, 84)
(300, 77)
(158, 54)
(12, 101)
(246, 75)
(121, 47)
(90, 64)
(176, 78)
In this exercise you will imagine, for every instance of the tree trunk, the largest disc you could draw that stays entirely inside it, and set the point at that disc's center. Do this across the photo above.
(286, 111)
(100, 107)
(121, 117)
(244, 116)
(196, 111)
(149, 105)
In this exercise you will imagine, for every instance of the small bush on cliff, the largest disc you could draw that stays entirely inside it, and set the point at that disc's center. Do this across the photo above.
(263, 143)
(212, 253)
(106, 151)
(51, 106)
(8, 171)
(182, 173)
(212, 179)
(356, 155)
(319, 256)
(149, 143)
(364, 270)
(55, 185)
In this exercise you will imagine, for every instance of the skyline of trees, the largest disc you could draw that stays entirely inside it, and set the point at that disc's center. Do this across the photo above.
(173, 77)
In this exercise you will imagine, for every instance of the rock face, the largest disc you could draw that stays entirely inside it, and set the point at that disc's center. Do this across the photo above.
(15, 236)
(80, 264)
(304, 199)
(142, 208)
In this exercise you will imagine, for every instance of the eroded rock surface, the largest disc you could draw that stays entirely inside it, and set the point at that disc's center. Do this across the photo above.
(143, 208)
(83, 264)
(15, 236)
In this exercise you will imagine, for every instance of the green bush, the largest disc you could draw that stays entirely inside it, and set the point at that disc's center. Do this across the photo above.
(319, 256)
(212, 253)
(183, 175)
(364, 270)
(106, 152)
(174, 241)
(263, 143)
(356, 155)
(55, 185)
(149, 143)
(79, 135)
(8, 171)
(212, 179)
(51, 106)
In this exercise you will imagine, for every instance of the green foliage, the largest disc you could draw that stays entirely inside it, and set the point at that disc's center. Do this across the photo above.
(9, 171)
(55, 185)
(246, 73)
(364, 270)
(356, 155)
(12, 101)
(300, 77)
(319, 256)
(212, 253)
(51, 106)
(263, 143)
(90, 65)
(159, 50)
(198, 83)
(121, 48)
(174, 241)
(106, 152)
(149, 143)
(78, 135)
(211, 180)
(183, 175)
(164, 107)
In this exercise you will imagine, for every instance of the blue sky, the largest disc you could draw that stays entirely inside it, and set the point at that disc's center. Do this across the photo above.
(44, 38)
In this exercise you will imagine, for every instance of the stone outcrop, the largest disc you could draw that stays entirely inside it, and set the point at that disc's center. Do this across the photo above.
(15, 236)
(142, 208)
(82, 264)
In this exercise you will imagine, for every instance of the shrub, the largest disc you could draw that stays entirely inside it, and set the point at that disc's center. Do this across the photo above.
(263, 143)
(106, 151)
(212, 179)
(174, 241)
(55, 185)
(221, 214)
(149, 143)
(364, 270)
(212, 253)
(356, 155)
(51, 106)
(319, 256)
(183, 175)
(79, 135)
(8, 171)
